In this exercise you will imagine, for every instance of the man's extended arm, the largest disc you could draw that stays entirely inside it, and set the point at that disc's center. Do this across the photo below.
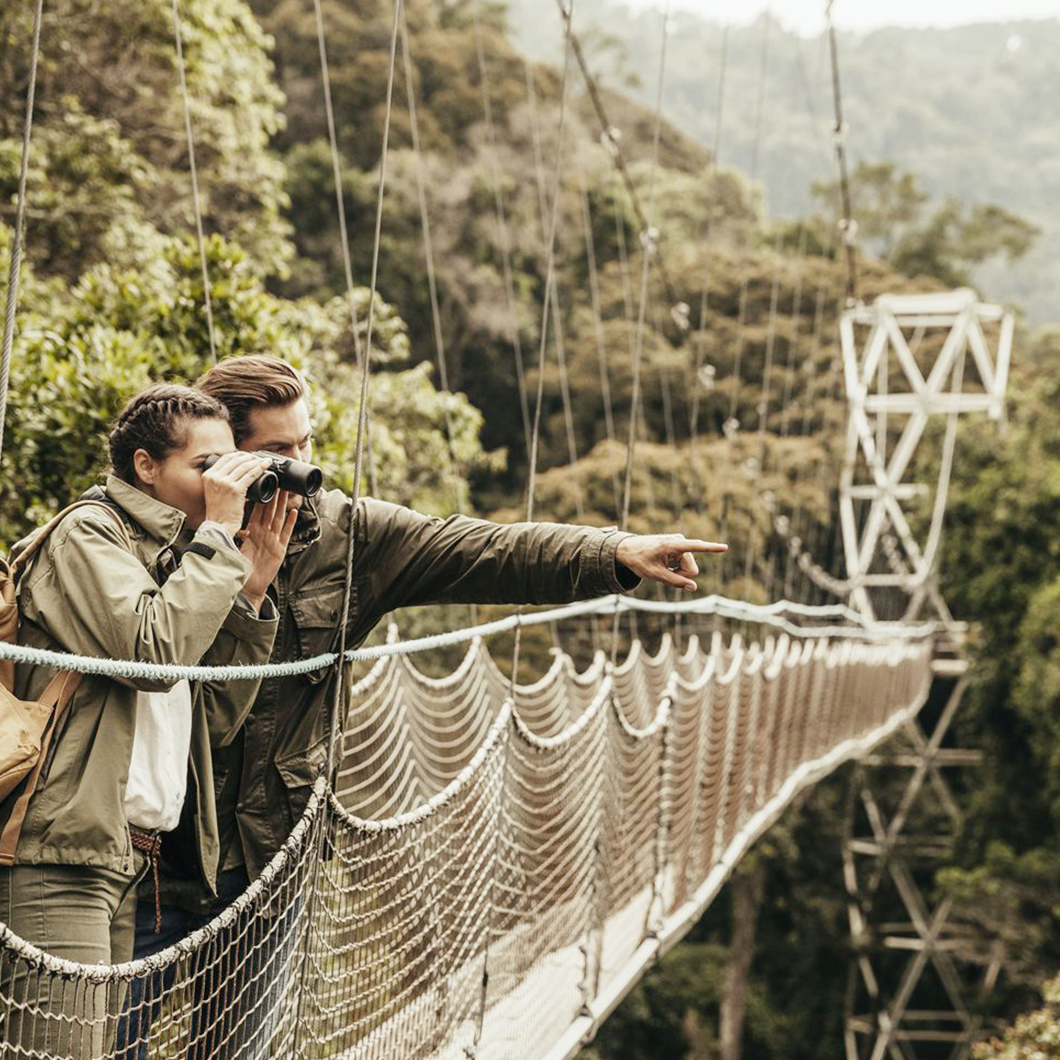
(406, 558)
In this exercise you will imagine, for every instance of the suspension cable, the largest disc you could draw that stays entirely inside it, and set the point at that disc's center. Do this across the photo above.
(732, 424)
(649, 254)
(847, 225)
(337, 713)
(432, 285)
(196, 202)
(608, 132)
(598, 328)
(366, 357)
(763, 412)
(503, 233)
(557, 318)
(708, 228)
(763, 75)
(15, 267)
(428, 249)
(550, 272)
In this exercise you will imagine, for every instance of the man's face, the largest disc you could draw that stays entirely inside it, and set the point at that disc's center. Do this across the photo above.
(284, 430)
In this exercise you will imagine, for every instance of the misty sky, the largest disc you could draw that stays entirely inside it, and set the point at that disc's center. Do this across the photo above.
(807, 16)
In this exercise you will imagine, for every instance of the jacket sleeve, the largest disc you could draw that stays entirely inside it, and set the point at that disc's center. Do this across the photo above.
(245, 639)
(417, 559)
(96, 598)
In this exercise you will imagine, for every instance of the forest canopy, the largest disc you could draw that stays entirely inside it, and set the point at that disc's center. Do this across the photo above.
(741, 389)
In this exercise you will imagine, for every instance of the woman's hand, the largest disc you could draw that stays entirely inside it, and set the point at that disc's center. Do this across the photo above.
(665, 557)
(264, 542)
(225, 487)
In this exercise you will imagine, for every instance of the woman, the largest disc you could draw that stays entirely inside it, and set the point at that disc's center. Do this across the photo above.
(117, 775)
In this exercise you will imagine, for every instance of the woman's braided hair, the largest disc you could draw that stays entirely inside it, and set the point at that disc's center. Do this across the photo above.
(155, 420)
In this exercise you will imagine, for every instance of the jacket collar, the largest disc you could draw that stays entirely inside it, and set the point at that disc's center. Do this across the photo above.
(306, 529)
(157, 520)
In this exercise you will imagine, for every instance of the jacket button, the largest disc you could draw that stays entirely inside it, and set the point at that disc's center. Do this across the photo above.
(241, 807)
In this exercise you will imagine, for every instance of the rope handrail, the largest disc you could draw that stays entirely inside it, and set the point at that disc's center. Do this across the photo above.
(368, 933)
(723, 607)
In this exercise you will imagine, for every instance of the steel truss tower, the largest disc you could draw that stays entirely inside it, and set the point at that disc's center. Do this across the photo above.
(913, 365)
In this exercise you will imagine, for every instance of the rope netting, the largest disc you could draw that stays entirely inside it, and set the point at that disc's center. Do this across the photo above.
(488, 866)
(489, 872)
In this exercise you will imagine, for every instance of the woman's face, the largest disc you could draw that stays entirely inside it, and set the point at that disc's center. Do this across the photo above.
(177, 480)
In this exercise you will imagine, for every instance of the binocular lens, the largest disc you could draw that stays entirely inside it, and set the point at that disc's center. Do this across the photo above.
(296, 476)
(262, 490)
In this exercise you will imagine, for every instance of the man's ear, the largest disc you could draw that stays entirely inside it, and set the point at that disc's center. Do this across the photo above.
(145, 467)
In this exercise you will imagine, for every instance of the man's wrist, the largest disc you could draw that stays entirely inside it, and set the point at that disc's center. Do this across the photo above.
(622, 578)
(253, 601)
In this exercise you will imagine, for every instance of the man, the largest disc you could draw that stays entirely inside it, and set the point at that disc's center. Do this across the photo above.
(264, 777)
(401, 558)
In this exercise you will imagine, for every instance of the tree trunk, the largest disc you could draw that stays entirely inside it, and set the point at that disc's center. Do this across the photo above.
(747, 889)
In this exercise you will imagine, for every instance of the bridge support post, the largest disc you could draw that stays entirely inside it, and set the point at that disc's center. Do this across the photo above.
(913, 992)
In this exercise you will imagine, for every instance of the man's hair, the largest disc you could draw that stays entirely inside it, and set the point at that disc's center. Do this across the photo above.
(243, 384)
(155, 420)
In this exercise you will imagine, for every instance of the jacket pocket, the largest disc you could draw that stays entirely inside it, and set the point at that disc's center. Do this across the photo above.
(298, 770)
(317, 621)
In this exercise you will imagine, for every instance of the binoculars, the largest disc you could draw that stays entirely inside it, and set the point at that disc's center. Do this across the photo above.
(283, 473)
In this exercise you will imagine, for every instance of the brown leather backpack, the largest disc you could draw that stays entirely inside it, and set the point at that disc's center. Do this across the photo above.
(27, 726)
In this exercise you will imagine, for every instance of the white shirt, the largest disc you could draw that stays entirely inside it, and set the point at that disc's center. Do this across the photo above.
(158, 770)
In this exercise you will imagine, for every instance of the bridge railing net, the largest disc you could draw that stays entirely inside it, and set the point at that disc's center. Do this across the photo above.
(493, 869)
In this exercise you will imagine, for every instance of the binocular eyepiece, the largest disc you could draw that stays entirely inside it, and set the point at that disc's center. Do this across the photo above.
(283, 473)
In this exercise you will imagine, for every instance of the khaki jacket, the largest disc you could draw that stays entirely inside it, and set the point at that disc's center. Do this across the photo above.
(86, 593)
(401, 558)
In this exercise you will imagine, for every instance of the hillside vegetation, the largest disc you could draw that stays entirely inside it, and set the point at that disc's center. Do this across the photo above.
(972, 111)
(741, 392)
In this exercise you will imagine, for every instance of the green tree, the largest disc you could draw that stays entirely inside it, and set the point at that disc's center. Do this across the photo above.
(109, 164)
(1001, 568)
(1034, 1035)
(957, 237)
(83, 351)
(945, 243)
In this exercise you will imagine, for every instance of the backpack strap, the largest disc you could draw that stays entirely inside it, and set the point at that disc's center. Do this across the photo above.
(37, 541)
(58, 694)
(60, 690)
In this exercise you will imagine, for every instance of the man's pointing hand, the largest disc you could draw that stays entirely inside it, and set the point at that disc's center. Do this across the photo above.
(667, 558)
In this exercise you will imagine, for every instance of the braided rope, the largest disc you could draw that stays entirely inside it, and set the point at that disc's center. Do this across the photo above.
(14, 272)
(324, 803)
(765, 614)
(189, 944)
(178, 36)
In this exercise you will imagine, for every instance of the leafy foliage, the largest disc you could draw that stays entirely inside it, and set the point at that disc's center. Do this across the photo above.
(83, 351)
(1002, 567)
(1034, 1036)
(110, 167)
(945, 245)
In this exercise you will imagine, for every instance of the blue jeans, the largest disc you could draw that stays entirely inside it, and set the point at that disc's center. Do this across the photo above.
(206, 1038)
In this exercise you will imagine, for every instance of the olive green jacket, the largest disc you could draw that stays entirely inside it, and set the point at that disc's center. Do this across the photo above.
(401, 558)
(86, 593)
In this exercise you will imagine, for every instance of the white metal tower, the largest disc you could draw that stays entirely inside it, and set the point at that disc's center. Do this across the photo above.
(913, 365)
(910, 362)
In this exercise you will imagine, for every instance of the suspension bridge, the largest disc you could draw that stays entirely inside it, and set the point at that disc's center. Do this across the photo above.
(487, 867)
